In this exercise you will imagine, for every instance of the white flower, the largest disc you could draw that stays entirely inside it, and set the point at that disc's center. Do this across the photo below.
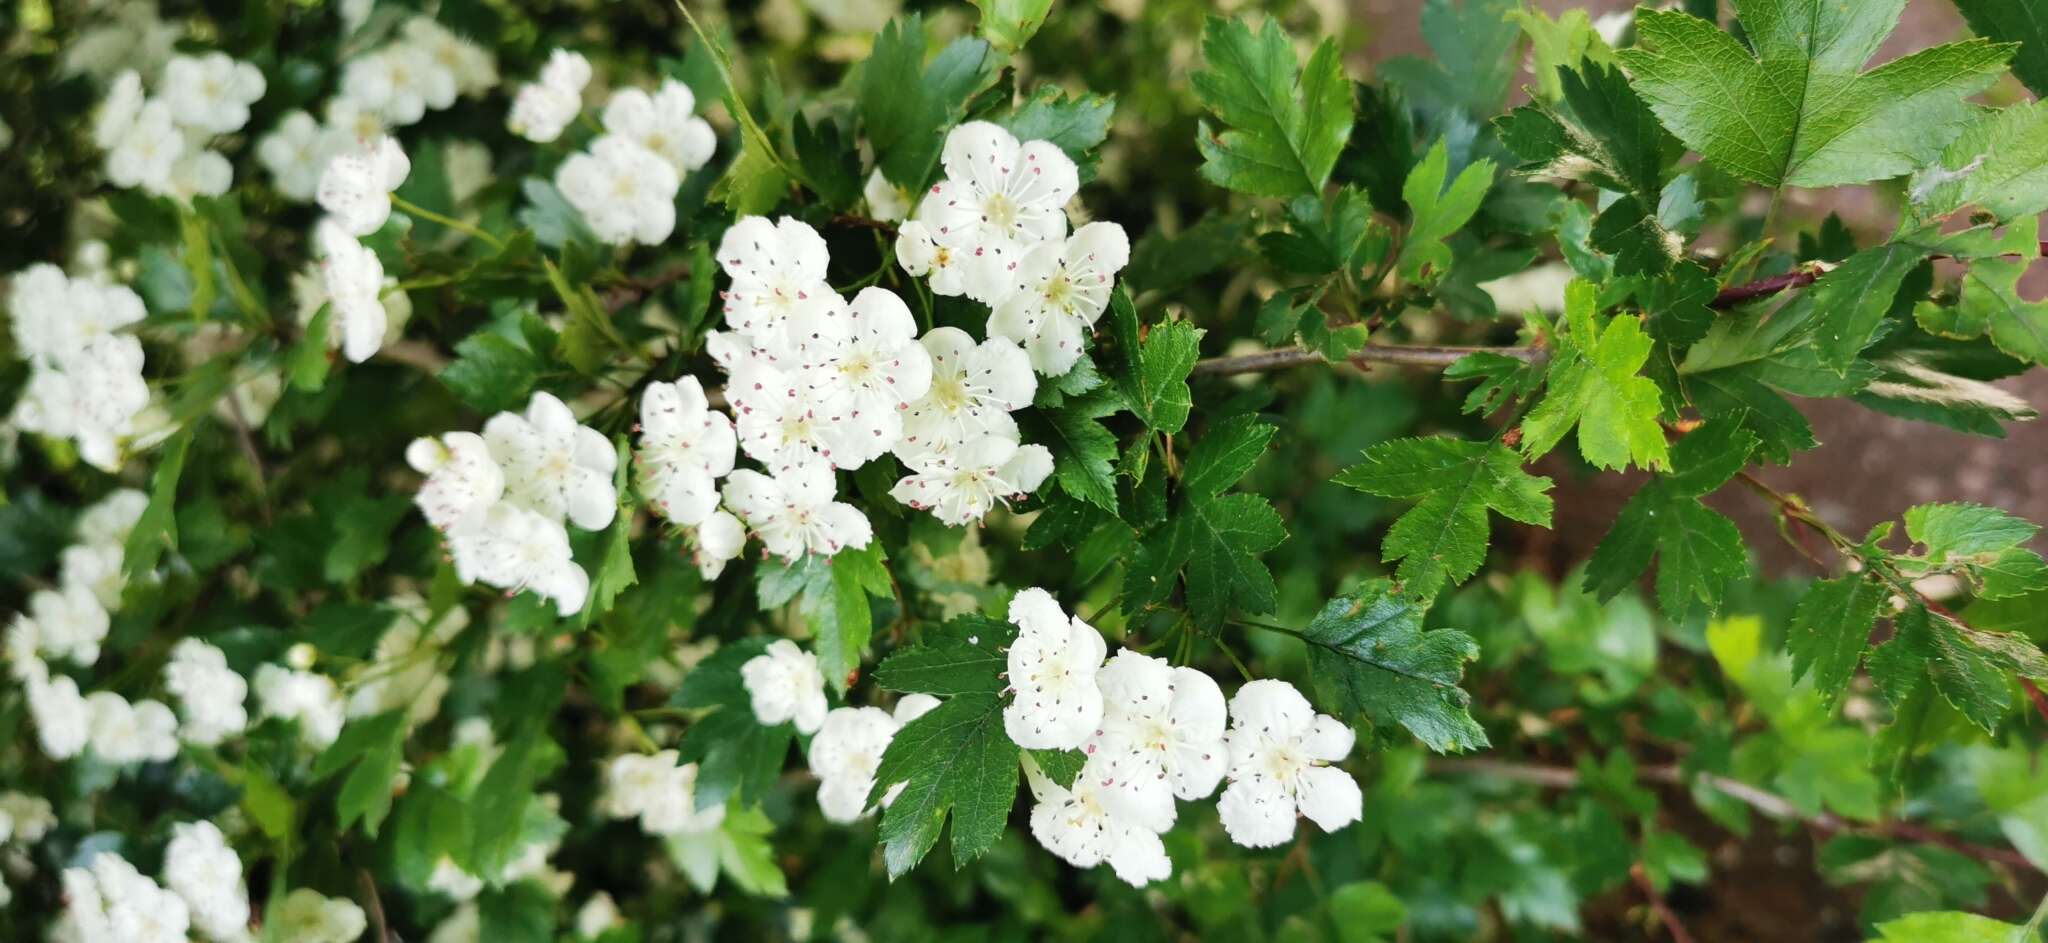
(1279, 747)
(145, 151)
(96, 567)
(663, 123)
(1052, 666)
(1062, 287)
(785, 685)
(1077, 826)
(209, 691)
(111, 519)
(847, 753)
(307, 697)
(921, 255)
(354, 280)
(778, 272)
(296, 152)
(94, 397)
(452, 882)
(660, 793)
(597, 915)
(793, 512)
(33, 816)
(62, 720)
(684, 448)
(463, 480)
(118, 111)
(69, 623)
(307, 916)
(542, 109)
(870, 368)
(123, 733)
(625, 192)
(974, 389)
(962, 483)
(309, 291)
(518, 549)
(55, 316)
(403, 673)
(350, 124)
(201, 868)
(886, 201)
(719, 541)
(200, 173)
(779, 424)
(474, 69)
(999, 198)
(210, 93)
(553, 465)
(356, 185)
(399, 82)
(114, 902)
(1161, 738)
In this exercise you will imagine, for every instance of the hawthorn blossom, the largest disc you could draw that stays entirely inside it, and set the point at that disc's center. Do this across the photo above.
(519, 549)
(199, 173)
(847, 753)
(794, 513)
(661, 794)
(870, 367)
(355, 187)
(719, 541)
(144, 150)
(94, 397)
(110, 520)
(1052, 666)
(473, 68)
(999, 198)
(309, 698)
(1078, 827)
(1161, 738)
(553, 465)
(685, 447)
(108, 900)
(922, 256)
(962, 483)
(210, 93)
(309, 293)
(779, 420)
(1062, 288)
(204, 872)
(399, 82)
(119, 109)
(784, 685)
(296, 153)
(1279, 751)
(463, 479)
(63, 722)
(974, 389)
(124, 733)
(625, 192)
(55, 316)
(66, 623)
(886, 201)
(543, 108)
(354, 280)
(210, 694)
(778, 273)
(308, 916)
(664, 123)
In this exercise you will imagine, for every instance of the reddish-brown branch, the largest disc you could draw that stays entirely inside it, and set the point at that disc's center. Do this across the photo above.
(1404, 355)
(1657, 905)
(1735, 295)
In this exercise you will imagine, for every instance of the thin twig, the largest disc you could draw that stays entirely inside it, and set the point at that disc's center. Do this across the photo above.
(1657, 905)
(1735, 295)
(248, 442)
(377, 921)
(863, 222)
(1414, 356)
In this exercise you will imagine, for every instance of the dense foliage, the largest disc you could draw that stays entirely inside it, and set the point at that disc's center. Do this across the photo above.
(815, 470)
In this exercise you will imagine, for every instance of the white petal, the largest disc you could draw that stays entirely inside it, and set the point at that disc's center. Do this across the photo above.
(1256, 813)
(1329, 797)
(1138, 857)
(1328, 739)
(1272, 707)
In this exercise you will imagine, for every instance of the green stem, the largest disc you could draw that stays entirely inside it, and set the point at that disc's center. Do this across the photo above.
(414, 209)
(2029, 932)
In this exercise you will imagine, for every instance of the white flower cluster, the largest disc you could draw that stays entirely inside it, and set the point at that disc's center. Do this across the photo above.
(308, 698)
(425, 68)
(625, 184)
(161, 143)
(355, 190)
(210, 694)
(995, 230)
(500, 498)
(661, 794)
(202, 895)
(85, 374)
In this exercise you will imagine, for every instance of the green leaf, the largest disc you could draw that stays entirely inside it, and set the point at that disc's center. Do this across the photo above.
(498, 807)
(1595, 383)
(834, 602)
(1366, 912)
(157, 529)
(756, 182)
(1322, 239)
(1948, 927)
(1698, 551)
(1369, 653)
(1155, 375)
(1283, 127)
(1476, 58)
(370, 748)
(1162, 262)
(615, 570)
(1502, 379)
(492, 372)
(1999, 165)
(521, 912)
(1216, 541)
(906, 104)
(1077, 125)
(1800, 111)
(746, 856)
(1435, 213)
(1009, 24)
(1925, 648)
(2014, 21)
(830, 159)
(551, 217)
(1965, 530)
(1225, 454)
(1830, 630)
(1849, 303)
(1991, 300)
(1560, 43)
(1442, 540)
(1603, 134)
(735, 754)
(954, 759)
(1083, 450)
(965, 656)
(307, 363)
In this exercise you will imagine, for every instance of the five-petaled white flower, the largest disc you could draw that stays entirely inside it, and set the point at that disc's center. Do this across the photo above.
(794, 512)
(553, 465)
(546, 106)
(869, 369)
(847, 753)
(778, 272)
(463, 480)
(1077, 826)
(921, 255)
(974, 389)
(1062, 287)
(203, 871)
(660, 793)
(685, 447)
(962, 483)
(1161, 738)
(209, 692)
(625, 192)
(67, 623)
(1052, 666)
(210, 93)
(308, 697)
(1279, 748)
(999, 197)
(356, 186)
(664, 123)
(399, 82)
(519, 549)
(781, 422)
(296, 153)
(784, 685)
(354, 280)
